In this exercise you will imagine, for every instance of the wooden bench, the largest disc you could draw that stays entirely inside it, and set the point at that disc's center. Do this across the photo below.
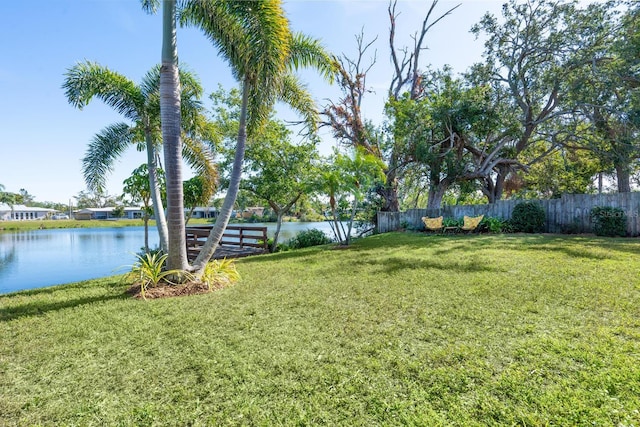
(237, 241)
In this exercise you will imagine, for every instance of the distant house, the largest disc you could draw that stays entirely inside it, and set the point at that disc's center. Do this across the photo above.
(106, 213)
(204, 212)
(23, 213)
(255, 210)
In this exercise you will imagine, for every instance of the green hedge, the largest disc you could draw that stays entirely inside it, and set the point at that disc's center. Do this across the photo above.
(528, 217)
(608, 221)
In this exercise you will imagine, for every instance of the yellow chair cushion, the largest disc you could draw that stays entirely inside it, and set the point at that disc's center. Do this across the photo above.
(471, 223)
(432, 223)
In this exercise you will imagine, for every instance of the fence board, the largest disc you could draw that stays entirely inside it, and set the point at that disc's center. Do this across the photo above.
(570, 212)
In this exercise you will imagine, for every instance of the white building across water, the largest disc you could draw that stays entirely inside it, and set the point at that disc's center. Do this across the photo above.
(108, 213)
(23, 213)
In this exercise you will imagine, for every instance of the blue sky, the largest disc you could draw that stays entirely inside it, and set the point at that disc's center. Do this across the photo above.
(43, 138)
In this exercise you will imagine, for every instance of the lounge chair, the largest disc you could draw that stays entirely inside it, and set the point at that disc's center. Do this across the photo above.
(470, 224)
(432, 224)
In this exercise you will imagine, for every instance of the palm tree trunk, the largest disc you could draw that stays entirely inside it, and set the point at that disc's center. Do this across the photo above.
(170, 117)
(215, 235)
(158, 208)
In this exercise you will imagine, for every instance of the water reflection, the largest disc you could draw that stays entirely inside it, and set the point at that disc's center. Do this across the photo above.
(38, 258)
(7, 256)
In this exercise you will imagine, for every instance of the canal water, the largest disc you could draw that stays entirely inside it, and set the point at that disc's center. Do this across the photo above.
(39, 258)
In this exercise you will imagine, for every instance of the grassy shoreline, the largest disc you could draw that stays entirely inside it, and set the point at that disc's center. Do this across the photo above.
(94, 223)
(399, 329)
(72, 223)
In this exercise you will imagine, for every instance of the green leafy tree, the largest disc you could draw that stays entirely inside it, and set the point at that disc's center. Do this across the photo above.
(346, 179)
(137, 187)
(564, 171)
(278, 171)
(362, 172)
(605, 94)
(24, 197)
(446, 133)
(197, 192)
(529, 55)
(7, 197)
(118, 211)
(98, 198)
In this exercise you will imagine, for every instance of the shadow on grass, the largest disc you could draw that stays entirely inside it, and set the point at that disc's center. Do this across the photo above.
(301, 253)
(38, 306)
(112, 282)
(571, 252)
(396, 264)
(581, 247)
(574, 247)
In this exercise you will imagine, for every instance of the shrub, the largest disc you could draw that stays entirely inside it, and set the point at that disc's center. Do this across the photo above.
(149, 271)
(493, 225)
(452, 222)
(528, 217)
(151, 251)
(608, 221)
(282, 247)
(220, 272)
(507, 226)
(307, 238)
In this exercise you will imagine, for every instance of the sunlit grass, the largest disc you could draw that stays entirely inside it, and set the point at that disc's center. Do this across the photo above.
(400, 329)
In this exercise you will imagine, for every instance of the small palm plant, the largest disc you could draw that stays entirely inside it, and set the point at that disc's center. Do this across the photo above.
(149, 269)
(222, 272)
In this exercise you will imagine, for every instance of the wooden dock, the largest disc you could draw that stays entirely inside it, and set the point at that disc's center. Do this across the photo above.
(237, 241)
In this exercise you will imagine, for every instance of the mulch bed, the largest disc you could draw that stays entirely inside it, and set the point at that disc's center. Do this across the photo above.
(166, 290)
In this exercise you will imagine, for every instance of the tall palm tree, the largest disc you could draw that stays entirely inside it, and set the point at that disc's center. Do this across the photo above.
(140, 105)
(255, 39)
(171, 132)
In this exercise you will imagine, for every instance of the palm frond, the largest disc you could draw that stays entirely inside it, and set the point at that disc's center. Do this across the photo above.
(253, 36)
(150, 84)
(199, 157)
(150, 6)
(307, 52)
(296, 95)
(190, 84)
(104, 149)
(87, 80)
(222, 28)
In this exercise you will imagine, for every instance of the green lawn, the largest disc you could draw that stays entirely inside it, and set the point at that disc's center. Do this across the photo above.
(400, 329)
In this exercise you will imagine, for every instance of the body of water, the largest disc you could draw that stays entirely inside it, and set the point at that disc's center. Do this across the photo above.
(39, 258)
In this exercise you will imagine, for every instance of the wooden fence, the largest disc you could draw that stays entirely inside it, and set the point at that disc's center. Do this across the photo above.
(571, 212)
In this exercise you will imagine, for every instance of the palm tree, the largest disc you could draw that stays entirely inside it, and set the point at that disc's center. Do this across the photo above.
(254, 37)
(140, 105)
(171, 133)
